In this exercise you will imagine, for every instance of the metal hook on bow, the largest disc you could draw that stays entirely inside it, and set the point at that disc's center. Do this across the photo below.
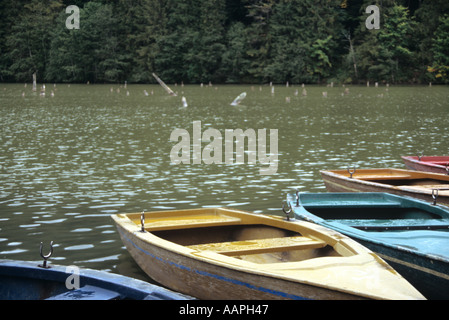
(45, 257)
(287, 213)
(351, 172)
(142, 221)
(297, 197)
(434, 196)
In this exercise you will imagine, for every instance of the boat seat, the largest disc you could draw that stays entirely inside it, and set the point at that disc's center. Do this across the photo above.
(381, 176)
(86, 293)
(397, 224)
(191, 221)
(245, 247)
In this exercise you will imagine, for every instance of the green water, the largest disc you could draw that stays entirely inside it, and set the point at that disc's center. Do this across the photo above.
(69, 161)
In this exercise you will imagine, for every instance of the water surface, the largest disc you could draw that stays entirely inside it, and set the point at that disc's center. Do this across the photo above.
(69, 161)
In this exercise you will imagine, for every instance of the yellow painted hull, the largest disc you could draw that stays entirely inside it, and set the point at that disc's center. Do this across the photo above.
(229, 254)
(411, 183)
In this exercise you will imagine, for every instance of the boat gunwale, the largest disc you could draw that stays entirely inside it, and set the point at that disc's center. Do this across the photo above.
(223, 260)
(415, 189)
(312, 231)
(124, 286)
(357, 233)
(220, 260)
(359, 254)
(429, 163)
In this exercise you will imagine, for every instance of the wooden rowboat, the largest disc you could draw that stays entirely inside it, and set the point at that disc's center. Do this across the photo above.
(422, 185)
(27, 280)
(216, 253)
(428, 164)
(410, 234)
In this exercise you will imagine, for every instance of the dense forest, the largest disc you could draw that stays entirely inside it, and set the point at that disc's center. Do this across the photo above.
(225, 41)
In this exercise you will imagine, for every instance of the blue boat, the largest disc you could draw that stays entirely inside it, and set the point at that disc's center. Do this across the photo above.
(410, 234)
(24, 280)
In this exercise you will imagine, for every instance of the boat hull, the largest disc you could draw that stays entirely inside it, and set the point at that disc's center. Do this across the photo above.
(221, 254)
(411, 249)
(394, 181)
(429, 276)
(25, 280)
(427, 164)
(207, 281)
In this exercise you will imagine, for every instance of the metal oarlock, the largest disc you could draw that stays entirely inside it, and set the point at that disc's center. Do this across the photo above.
(351, 172)
(297, 197)
(287, 213)
(45, 257)
(142, 221)
(435, 194)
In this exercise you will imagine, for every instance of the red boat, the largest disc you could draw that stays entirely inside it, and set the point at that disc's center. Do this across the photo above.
(429, 164)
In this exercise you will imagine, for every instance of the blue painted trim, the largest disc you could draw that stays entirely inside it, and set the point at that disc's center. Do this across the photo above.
(215, 276)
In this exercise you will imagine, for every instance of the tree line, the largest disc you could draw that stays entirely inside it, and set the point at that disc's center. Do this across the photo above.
(225, 41)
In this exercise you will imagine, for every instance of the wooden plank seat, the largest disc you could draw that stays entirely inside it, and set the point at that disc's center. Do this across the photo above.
(190, 221)
(381, 176)
(246, 247)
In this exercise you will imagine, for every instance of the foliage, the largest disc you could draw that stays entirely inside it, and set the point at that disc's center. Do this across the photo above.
(90, 53)
(385, 54)
(225, 41)
(440, 50)
(27, 44)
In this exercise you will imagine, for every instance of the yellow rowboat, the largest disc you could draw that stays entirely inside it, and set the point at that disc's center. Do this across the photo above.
(215, 253)
(418, 184)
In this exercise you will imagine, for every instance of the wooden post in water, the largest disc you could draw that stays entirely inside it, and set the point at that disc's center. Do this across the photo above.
(34, 82)
(169, 91)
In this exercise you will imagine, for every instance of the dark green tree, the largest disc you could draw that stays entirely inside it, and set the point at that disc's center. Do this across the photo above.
(9, 13)
(427, 17)
(259, 37)
(142, 24)
(385, 54)
(251, 41)
(304, 37)
(90, 53)
(440, 51)
(28, 43)
(191, 49)
(235, 60)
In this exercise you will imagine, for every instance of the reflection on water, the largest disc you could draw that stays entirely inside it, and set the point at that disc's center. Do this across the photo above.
(70, 161)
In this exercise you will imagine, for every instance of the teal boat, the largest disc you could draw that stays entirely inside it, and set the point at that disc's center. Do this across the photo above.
(410, 234)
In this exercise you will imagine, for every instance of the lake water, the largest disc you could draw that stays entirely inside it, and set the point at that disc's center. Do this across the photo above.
(69, 161)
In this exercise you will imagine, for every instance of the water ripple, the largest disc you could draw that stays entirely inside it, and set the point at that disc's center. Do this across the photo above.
(67, 164)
